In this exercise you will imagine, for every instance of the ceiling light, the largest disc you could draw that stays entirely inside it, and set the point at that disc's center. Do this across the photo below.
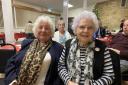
(69, 5)
(65, 4)
(49, 10)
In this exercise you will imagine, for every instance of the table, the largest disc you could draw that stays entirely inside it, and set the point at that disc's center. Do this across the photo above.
(6, 52)
(18, 47)
(16, 35)
(19, 35)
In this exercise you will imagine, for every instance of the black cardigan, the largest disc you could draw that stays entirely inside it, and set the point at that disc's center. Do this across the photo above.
(52, 77)
(98, 61)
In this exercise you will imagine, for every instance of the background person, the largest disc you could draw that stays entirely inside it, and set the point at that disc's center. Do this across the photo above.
(61, 35)
(119, 44)
(28, 30)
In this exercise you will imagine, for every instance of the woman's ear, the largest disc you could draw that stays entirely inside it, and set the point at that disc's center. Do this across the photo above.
(52, 35)
(75, 31)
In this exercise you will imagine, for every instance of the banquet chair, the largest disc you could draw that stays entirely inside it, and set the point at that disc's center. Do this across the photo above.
(125, 76)
(5, 54)
(2, 41)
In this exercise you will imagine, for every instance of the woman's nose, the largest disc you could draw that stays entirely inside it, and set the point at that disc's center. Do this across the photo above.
(124, 27)
(85, 29)
(43, 29)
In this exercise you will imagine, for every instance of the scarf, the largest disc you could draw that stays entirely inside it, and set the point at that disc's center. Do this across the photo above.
(74, 61)
(31, 64)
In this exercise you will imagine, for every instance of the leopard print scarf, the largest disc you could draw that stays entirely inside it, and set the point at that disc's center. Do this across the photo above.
(31, 64)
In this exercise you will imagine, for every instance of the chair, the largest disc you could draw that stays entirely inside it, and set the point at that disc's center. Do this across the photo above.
(2, 42)
(125, 76)
(5, 54)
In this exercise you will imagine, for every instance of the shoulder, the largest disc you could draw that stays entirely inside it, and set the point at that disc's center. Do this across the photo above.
(56, 49)
(57, 45)
(57, 32)
(67, 32)
(67, 43)
(100, 44)
(56, 35)
(118, 34)
(26, 42)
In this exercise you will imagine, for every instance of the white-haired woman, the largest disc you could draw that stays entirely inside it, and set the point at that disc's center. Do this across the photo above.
(36, 63)
(85, 61)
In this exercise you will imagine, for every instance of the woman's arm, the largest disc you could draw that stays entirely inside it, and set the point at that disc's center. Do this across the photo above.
(108, 73)
(11, 71)
(122, 53)
(62, 68)
(14, 82)
(13, 66)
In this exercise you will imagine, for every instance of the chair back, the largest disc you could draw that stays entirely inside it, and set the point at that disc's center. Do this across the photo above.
(5, 54)
(2, 41)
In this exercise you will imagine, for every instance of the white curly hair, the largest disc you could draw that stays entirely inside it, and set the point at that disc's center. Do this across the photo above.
(85, 15)
(40, 19)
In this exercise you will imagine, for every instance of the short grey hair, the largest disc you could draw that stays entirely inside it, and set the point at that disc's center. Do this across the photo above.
(39, 20)
(85, 15)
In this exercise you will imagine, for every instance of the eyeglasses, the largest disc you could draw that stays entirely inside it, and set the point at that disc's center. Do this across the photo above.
(87, 27)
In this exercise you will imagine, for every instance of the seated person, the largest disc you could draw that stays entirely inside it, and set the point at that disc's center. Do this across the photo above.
(119, 44)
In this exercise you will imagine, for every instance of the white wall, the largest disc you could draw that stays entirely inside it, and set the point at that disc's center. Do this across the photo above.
(75, 12)
(23, 16)
(1, 17)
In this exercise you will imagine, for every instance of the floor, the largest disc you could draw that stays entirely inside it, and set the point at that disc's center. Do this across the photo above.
(2, 81)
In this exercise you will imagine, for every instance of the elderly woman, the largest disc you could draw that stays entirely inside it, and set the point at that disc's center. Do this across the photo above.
(36, 63)
(85, 61)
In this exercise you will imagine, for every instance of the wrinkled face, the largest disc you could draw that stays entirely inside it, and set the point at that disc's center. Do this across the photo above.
(85, 30)
(125, 27)
(44, 32)
(61, 26)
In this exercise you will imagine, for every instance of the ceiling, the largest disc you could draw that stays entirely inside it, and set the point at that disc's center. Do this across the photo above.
(57, 5)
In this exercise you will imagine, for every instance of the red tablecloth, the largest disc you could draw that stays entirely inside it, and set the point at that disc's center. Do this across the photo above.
(16, 35)
(19, 35)
(18, 47)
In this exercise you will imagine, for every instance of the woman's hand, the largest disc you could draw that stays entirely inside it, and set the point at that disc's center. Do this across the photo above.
(13, 83)
(71, 83)
(115, 50)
